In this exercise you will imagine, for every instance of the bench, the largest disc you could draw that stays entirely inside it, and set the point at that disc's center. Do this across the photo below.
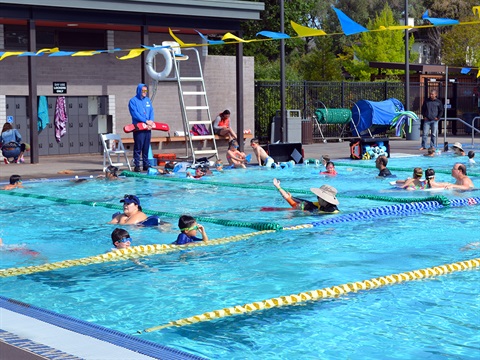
(163, 142)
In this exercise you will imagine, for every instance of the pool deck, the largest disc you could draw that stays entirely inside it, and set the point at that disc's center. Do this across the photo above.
(91, 164)
(23, 336)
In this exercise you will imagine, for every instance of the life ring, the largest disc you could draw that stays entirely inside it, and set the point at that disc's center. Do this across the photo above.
(168, 63)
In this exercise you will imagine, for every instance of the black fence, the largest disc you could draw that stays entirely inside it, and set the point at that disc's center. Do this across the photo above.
(310, 95)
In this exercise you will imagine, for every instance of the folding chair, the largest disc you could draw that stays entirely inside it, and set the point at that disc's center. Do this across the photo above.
(113, 145)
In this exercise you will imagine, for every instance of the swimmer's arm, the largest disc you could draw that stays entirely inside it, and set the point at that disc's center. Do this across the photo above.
(287, 196)
(203, 232)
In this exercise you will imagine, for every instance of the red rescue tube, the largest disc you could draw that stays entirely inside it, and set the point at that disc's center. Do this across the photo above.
(142, 126)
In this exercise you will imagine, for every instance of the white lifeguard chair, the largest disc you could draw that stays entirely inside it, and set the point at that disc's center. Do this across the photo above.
(113, 145)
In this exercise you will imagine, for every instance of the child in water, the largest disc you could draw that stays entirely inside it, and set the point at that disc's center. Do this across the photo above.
(188, 231)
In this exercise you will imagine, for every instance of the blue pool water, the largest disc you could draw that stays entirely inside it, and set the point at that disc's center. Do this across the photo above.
(436, 318)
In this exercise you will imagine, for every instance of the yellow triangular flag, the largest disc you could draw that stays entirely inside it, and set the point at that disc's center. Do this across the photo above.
(180, 42)
(478, 73)
(10, 53)
(230, 36)
(48, 50)
(476, 9)
(132, 54)
(304, 31)
(86, 53)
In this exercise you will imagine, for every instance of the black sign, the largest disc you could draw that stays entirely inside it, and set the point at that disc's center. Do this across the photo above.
(59, 87)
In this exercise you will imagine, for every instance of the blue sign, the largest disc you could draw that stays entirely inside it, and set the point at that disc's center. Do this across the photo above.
(10, 119)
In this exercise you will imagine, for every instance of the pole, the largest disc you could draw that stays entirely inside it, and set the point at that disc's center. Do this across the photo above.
(445, 144)
(407, 62)
(283, 129)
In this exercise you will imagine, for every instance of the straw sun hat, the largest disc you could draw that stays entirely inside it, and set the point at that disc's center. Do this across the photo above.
(458, 146)
(327, 193)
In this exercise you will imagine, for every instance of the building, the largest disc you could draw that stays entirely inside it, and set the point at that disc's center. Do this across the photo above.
(97, 88)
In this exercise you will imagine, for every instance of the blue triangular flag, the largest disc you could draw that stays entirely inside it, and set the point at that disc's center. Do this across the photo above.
(465, 70)
(349, 26)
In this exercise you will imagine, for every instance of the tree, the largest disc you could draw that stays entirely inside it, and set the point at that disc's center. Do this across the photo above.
(386, 46)
(451, 9)
(320, 64)
(461, 46)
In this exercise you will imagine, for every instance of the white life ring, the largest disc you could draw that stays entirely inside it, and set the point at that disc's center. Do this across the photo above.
(168, 63)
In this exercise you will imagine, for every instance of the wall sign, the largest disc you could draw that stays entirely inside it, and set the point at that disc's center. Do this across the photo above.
(59, 87)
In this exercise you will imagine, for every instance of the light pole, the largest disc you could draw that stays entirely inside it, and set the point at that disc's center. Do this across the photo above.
(407, 62)
(282, 74)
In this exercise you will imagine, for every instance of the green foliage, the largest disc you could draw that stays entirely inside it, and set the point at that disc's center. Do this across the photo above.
(320, 64)
(461, 46)
(381, 46)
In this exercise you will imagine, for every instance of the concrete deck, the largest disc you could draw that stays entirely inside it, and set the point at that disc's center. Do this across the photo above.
(91, 164)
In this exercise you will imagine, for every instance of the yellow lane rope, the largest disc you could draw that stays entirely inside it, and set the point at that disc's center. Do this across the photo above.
(325, 293)
(123, 254)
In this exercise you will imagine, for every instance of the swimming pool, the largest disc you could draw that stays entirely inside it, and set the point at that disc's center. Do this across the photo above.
(436, 318)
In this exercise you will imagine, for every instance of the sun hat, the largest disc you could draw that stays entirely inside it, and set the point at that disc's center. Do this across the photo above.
(327, 193)
(129, 199)
(458, 146)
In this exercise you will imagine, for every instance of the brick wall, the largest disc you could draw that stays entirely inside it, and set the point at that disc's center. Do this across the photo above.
(104, 74)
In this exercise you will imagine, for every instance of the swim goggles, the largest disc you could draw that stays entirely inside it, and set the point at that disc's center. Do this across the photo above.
(190, 228)
(124, 240)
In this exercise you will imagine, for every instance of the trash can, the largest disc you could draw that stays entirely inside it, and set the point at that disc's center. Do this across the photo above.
(307, 131)
(468, 118)
(413, 133)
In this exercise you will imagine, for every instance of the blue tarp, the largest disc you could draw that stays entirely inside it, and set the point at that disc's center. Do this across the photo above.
(368, 114)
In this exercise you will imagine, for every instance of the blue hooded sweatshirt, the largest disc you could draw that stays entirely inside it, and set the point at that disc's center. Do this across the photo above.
(141, 109)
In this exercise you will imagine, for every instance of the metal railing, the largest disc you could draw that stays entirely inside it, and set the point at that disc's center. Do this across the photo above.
(471, 126)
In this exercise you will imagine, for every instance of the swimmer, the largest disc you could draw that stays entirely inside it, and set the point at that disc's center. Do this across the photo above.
(234, 156)
(463, 182)
(330, 166)
(15, 183)
(219, 165)
(471, 160)
(430, 180)
(381, 164)
(263, 158)
(326, 199)
(430, 152)
(121, 239)
(457, 149)
(18, 249)
(132, 211)
(414, 183)
(188, 231)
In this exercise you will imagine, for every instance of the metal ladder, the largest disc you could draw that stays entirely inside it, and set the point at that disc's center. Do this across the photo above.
(194, 105)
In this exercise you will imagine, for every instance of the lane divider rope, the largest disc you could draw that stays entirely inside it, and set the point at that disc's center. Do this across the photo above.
(409, 170)
(254, 225)
(123, 254)
(325, 293)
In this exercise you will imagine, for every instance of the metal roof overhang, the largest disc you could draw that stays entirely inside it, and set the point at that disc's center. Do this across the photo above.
(158, 15)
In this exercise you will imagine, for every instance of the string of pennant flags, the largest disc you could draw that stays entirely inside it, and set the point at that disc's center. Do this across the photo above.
(349, 27)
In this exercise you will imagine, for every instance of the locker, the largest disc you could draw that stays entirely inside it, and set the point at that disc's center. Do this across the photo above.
(72, 126)
(103, 105)
(72, 105)
(83, 105)
(83, 144)
(73, 144)
(51, 100)
(63, 146)
(83, 124)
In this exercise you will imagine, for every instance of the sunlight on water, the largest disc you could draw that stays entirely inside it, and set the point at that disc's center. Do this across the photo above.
(435, 318)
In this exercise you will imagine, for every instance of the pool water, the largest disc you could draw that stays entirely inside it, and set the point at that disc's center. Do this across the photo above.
(436, 318)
